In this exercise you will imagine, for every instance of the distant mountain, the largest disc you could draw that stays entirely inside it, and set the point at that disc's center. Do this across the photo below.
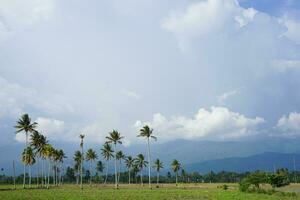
(265, 161)
(187, 152)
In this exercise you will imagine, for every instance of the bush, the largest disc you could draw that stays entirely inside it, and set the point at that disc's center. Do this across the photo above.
(225, 187)
(244, 185)
(279, 179)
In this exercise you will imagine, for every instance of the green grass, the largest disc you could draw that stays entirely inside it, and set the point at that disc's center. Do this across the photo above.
(135, 192)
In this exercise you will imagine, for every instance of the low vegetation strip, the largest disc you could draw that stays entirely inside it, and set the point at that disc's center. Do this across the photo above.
(135, 192)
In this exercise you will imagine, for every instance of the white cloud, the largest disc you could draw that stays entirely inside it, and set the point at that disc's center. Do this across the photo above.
(223, 97)
(19, 14)
(53, 129)
(293, 30)
(289, 125)
(207, 17)
(130, 94)
(219, 123)
(284, 65)
(15, 100)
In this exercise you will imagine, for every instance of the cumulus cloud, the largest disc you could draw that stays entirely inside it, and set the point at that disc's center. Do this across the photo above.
(18, 14)
(208, 17)
(293, 30)
(218, 123)
(52, 128)
(16, 99)
(289, 125)
(223, 97)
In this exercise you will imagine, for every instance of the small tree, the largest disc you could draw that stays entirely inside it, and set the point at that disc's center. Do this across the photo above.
(279, 179)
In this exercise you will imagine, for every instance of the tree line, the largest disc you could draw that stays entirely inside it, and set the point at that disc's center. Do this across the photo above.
(38, 150)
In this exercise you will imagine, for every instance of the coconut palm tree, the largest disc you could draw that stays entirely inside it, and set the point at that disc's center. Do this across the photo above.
(115, 138)
(107, 153)
(81, 136)
(91, 156)
(100, 167)
(48, 153)
(120, 156)
(24, 124)
(61, 156)
(141, 163)
(129, 161)
(176, 166)
(147, 133)
(28, 158)
(77, 158)
(37, 141)
(158, 165)
(43, 153)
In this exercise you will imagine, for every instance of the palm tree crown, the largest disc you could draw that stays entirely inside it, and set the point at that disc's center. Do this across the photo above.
(140, 161)
(158, 165)
(24, 124)
(28, 156)
(91, 155)
(176, 166)
(114, 137)
(147, 132)
(129, 162)
(107, 151)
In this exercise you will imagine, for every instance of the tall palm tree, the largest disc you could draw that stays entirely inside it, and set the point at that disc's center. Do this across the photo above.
(81, 136)
(100, 167)
(115, 138)
(61, 156)
(120, 156)
(107, 153)
(77, 159)
(48, 153)
(28, 159)
(91, 156)
(176, 166)
(141, 163)
(129, 161)
(158, 165)
(43, 153)
(24, 124)
(147, 133)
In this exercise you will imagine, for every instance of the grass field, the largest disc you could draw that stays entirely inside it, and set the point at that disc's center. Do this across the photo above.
(135, 192)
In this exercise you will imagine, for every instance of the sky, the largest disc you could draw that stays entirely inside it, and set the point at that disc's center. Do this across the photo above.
(220, 70)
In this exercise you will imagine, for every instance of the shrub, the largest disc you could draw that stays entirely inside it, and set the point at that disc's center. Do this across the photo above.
(225, 187)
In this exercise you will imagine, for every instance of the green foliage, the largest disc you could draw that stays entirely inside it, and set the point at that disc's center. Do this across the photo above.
(225, 187)
(279, 179)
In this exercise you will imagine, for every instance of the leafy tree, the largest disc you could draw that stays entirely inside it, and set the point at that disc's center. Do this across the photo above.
(91, 156)
(28, 158)
(158, 165)
(279, 179)
(107, 153)
(120, 156)
(129, 161)
(100, 168)
(24, 124)
(176, 166)
(147, 133)
(77, 158)
(141, 163)
(81, 136)
(115, 138)
(70, 174)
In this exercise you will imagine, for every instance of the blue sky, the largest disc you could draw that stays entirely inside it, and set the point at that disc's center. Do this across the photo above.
(196, 70)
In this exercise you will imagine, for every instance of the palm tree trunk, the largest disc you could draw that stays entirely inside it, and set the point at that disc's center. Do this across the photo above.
(49, 169)
(107, 162)
(90, 172)
(157, 178)
(42, 174)
(38, 171)
(149, 163)
(14, 171)
(142, 183)
(129, 176)
(116, 178)
(176, 178)
(81, 163)
(78, 174)
(29, 176)
(24, 167)
(119, 171)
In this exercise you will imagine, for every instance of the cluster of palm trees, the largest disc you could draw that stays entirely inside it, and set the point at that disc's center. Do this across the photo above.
(39, 149)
